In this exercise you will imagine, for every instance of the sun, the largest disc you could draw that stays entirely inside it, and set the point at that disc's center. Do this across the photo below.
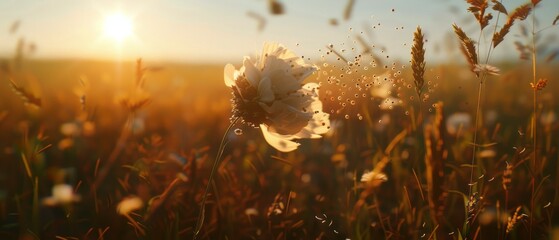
(118, 27)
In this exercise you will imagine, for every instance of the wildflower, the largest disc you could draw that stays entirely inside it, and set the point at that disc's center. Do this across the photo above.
(61, 194)
(129, 204)
(487, 69)
(373, 178)
(389, 103)
(457, 121)
(268, 93)
(251, 212)
(382, 90)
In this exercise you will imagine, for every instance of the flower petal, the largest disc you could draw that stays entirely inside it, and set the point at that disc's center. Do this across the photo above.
(228, 75)
(265, 92)
(251, 72)
(279, 142)
(286, 120)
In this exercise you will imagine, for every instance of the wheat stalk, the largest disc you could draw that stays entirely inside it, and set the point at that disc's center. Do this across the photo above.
(498, 6)
(520, 13)
(507, 177)
(515, 219)
(435, 159)
(478, 7)
(418, 60)
(467, 46)
(27, 97)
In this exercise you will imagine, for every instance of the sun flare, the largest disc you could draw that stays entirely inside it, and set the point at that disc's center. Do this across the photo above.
(118, 27)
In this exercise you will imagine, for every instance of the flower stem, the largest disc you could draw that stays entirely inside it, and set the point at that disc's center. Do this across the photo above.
(534, 123)
(200, 221)
(478, 109)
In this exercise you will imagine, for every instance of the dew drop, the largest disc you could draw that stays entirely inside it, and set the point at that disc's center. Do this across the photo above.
(238, 131)
(346, 116)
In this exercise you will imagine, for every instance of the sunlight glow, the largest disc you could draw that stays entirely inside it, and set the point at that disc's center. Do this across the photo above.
(118, 27)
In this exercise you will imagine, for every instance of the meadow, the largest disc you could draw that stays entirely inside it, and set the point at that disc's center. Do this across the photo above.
(106, 150)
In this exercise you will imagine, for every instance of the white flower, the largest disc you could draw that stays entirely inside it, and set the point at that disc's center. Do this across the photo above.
(487, 69)
(372, 176)
(251, 212)
(61, 194)
(269, 92)
(373, 179)
(129, 204)
(382, 87)
(381, 91)
(457, 121)
(389, 103)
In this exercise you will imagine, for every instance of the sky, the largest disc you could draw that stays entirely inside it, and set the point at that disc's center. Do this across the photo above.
(217, 31)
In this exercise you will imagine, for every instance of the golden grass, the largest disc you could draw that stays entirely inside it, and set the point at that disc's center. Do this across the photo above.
(418, 61)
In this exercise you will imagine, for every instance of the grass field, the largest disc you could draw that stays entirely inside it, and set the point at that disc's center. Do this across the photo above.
(311, 193)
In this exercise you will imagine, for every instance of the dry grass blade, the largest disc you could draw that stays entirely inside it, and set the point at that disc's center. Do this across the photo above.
(552, 56)
(523, 50)
(26, 165)
(133, 106)
(363, 44)
(515, 219)
(535, 2)
(523, 30)
(478, 7)
(555, 20)
(507, 177)
(435, 159)
(467, 46)
(15, 26)
(139, 73)
(331, 48)
(520, 13)
(259, 18)
(348, 9)
(418, 60)
(499, 7)
(27, 97)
